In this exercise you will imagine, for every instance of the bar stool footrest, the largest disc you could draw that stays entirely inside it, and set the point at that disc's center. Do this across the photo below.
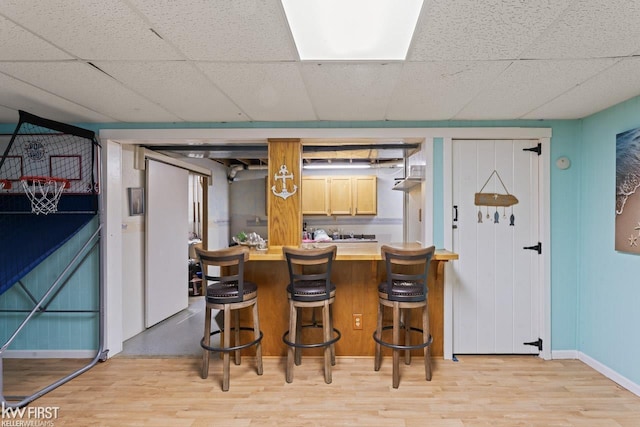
(234, 348)
(403, 347)
(337, 334)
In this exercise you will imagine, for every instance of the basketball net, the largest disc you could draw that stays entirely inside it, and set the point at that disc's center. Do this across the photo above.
(44, 192)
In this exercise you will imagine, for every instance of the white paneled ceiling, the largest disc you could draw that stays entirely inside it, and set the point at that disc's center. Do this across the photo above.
(222, 61)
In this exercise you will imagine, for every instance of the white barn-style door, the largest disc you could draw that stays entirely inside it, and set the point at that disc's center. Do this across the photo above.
(496, 283)
(167, 252)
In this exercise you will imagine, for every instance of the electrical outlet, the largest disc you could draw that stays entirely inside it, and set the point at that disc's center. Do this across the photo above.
(357, 321)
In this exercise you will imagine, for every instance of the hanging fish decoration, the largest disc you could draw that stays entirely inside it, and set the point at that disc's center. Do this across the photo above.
(495, 199)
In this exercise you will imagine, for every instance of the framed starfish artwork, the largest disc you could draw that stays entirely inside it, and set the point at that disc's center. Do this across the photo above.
(628, 191)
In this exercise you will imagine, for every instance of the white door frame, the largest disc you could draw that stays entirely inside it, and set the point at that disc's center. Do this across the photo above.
(113, 219)
(544, 214)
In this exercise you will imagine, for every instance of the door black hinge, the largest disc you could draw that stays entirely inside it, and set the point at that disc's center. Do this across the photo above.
(537, 248)
(537, 343)
(536, 149)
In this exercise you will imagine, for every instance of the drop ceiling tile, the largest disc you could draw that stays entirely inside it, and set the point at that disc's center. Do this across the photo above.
(16, 95)
(90, 29)
(612, 86)
(525, 85)
(591, 29)
(179, 87)
(8, 115)
(19, 44)
(86, 86)
(480, 30)
(438, 90)
(222, 30)
(358, 91)
(265, 91)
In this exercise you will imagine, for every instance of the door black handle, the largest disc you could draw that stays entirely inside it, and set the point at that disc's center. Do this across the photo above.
(455, 216)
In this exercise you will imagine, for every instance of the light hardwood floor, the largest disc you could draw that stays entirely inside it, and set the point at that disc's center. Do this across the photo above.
(476, 391)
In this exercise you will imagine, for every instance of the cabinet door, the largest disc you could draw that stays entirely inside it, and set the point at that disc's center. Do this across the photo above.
(340, 195)
(365, 195)
(314, 195)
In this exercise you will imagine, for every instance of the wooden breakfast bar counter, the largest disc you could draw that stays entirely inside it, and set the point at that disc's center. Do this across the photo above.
(357, 270)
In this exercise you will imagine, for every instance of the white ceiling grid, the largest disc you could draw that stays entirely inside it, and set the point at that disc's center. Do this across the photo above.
(220, 61)
(596, 94)
(527, 84)
(437, 90)
(270, 90)
(460, 30)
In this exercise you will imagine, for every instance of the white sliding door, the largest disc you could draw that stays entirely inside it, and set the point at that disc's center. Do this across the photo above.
(167, 227)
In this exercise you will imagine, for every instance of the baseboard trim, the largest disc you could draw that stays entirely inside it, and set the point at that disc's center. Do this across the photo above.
(49, 354)
(604, 370)
(564, 354)
(610, 373)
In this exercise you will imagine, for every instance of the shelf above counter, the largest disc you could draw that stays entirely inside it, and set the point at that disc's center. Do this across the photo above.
(407, 184)
(415, 176)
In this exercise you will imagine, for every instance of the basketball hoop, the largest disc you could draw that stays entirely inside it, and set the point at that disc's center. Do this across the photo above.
(44, 192)
(5, 184)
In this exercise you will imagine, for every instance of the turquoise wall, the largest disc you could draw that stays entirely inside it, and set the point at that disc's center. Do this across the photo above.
(564, 198)
(57, 331)
(608, 285)
(564, 228)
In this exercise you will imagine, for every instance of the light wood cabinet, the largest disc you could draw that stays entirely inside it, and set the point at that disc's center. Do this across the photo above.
(340, 200)
(314, 195)
(365, 200)
(341, 195)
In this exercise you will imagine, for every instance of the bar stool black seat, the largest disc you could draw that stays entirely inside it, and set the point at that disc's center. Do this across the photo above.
(404, 289)
(310, 286)
(230, 293)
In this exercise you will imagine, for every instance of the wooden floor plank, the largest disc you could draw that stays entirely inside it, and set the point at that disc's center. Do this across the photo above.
(476, 391)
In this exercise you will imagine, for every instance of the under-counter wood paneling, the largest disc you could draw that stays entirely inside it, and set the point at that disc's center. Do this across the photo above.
(356, 293)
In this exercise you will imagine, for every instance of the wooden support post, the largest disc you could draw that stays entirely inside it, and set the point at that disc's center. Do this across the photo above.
(284, 178)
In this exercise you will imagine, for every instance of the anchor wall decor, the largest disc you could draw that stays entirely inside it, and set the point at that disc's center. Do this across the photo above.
(283, 174)
(495, 199)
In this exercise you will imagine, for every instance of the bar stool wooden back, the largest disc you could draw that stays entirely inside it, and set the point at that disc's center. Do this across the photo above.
(404, 289)
(310, 286)
(229, 293)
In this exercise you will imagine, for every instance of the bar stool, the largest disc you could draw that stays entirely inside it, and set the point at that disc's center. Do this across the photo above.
(404, 289)
(310, 286)
(228, 292)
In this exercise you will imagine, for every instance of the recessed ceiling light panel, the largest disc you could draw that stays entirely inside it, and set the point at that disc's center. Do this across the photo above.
(352, 29)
